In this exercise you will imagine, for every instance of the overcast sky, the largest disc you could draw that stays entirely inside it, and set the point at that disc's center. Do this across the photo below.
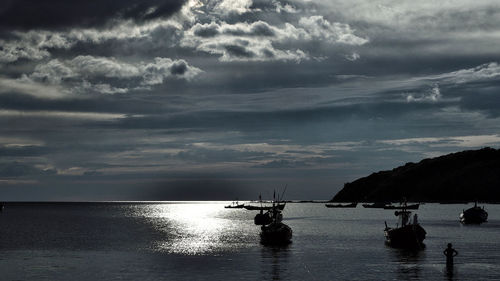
(224, 99)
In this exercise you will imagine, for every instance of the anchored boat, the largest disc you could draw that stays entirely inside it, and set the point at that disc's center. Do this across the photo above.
(407, 234)
(352, 205)
(275, 232)
(234, 205)
(378, 205)
(407, 207)
(474, 215)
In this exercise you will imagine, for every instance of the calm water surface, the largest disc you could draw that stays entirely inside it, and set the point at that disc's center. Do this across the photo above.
(204, 241)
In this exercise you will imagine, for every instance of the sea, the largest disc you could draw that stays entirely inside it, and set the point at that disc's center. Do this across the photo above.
(205, 241)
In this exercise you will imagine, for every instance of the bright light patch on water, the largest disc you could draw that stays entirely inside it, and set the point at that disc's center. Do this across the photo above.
(193, 229)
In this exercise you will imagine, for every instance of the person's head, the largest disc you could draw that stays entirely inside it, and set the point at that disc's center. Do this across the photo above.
(449, 245)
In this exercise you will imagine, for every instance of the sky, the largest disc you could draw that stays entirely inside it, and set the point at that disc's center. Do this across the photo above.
(226, 99)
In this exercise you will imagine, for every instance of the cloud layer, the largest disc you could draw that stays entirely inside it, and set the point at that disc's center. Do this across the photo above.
(156, 97)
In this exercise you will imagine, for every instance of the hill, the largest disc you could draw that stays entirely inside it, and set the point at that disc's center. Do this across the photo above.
(462, 176)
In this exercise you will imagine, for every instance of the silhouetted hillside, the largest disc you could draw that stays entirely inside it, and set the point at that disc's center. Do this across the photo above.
(461, 176)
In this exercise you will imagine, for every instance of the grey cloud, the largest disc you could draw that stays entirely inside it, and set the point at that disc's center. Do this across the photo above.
(179, 67)
(30, 45)
(53, 72)
(432, 95)
(258, 28)
(283, 164)
(265, 42)
(285, 76)
(101, 66)
(52, 14)
(97, 104)
(83, 68)
(239, 51)
(487, 71)
(319, 28)
(18, 169)
(23, 151)
(204, 155)
(206, 30)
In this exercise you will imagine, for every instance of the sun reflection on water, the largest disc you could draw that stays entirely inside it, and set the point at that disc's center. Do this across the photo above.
(194, 229)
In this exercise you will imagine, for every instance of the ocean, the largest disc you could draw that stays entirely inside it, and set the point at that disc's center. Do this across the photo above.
(204, 241)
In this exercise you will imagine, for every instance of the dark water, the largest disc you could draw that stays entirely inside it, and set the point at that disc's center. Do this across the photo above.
(204, 241)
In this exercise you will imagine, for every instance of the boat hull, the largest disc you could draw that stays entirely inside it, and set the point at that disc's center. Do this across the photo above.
(408, 237)
(375, 205)
(408, 207)
(474, 215)
(276, 233)
(263, 208)
(353, 205)
(234, 206)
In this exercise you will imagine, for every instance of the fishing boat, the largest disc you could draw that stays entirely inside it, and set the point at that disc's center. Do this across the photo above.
(408, 207)
(280, 206)
(263, 218)
(379, 205)
(474, 215)
(352, 205)
(234, 205)
(276, 232)
(406, 234)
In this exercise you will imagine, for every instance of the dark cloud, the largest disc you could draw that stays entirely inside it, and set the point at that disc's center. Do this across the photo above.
(239, 51)
(204, 155)
(283, 164)
(206, 30)
(57, 14)
(199, 187)
(236, 99)
(179, 68)
(103, 104)
(23, 151)
(284, 123)
(18, 169)
(482, 97)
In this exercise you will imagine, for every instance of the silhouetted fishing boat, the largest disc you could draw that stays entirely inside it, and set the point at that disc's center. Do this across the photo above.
(280, 206)
(408, 207)
(406, 234)
(263, 218)
(474, 215)
(275, 232)
(352, 205)
(234, 205)
(379, 205)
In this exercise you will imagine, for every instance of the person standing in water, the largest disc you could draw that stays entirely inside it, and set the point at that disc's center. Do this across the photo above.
(449, 253)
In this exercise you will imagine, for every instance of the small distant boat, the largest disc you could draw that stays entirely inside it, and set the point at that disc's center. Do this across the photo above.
(280, 206)
(474, 215)
(380, 205)
(408, 207)
(352, 205)
(234, 205)
(408, 235)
